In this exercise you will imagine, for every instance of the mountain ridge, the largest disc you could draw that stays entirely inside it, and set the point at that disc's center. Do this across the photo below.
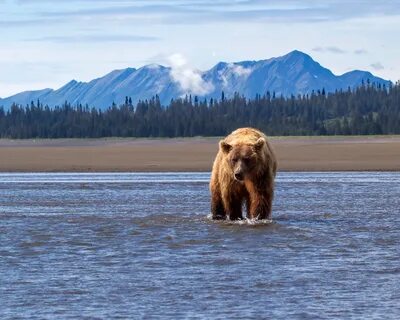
(293, 73)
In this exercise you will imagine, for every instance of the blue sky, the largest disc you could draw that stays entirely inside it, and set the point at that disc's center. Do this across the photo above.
(46, 43)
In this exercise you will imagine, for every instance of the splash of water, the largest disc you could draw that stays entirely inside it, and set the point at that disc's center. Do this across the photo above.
(246, 221)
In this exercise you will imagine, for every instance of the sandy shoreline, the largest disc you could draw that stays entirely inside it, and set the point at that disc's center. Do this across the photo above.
(360, 153)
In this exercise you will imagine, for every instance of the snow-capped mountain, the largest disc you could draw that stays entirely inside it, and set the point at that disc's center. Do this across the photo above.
(293, 73)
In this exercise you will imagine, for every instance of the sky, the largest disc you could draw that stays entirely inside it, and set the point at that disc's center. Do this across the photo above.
(46, 43)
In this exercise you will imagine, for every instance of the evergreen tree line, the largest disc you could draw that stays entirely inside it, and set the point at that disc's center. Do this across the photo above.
(369, 109)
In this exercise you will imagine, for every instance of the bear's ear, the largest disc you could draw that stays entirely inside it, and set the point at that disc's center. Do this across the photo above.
(259, 144)
(225, 147)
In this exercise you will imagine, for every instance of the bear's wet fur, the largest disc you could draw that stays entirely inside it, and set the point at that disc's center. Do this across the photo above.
(243, 172)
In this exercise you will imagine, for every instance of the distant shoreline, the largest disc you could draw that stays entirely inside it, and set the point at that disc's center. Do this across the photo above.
(316, 153)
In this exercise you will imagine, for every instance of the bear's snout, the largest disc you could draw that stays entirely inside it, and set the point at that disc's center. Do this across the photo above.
(239, 176)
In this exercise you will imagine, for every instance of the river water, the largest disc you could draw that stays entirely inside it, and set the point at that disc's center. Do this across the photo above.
(127, 245)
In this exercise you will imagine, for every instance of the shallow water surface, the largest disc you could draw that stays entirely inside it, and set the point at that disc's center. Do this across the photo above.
(127, 245)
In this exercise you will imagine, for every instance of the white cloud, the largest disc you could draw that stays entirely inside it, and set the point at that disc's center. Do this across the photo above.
(240, 70)
(233, 70)
(377, 66)
(360, 51)
(189, 79)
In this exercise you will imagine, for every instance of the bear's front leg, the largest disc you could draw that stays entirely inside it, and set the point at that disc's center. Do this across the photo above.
(260, 207)
(233, 207)
(217, 207)
(260, 202)
(235, 211)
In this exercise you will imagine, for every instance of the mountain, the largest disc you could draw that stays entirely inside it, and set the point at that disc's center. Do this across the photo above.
(293, 73)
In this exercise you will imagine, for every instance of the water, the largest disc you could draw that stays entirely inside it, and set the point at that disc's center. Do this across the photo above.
(111, 246)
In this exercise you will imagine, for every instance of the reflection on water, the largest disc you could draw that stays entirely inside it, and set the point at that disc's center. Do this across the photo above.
(123, 245)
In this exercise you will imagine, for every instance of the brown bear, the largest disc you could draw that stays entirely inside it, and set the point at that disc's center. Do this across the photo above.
(243, 172)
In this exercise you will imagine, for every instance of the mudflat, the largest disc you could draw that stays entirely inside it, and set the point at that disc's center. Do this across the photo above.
(358, 153)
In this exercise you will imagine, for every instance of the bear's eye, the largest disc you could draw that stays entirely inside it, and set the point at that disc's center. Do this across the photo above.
(234, 160)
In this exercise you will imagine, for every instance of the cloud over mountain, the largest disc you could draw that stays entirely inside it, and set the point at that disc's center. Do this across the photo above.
(189, 80)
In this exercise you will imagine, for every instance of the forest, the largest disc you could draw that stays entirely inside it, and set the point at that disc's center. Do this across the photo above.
(367, 110)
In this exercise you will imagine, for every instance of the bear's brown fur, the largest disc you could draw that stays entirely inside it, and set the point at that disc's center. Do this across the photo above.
(243, 172)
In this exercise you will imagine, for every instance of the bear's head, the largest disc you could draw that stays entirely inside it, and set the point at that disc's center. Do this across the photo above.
(242, 158)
